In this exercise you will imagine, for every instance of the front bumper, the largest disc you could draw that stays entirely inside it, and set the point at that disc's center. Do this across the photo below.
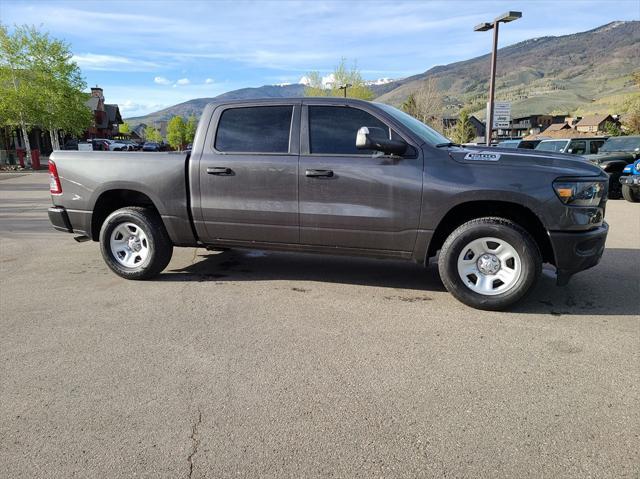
(577, 251)
(60, 219)
(631, 180)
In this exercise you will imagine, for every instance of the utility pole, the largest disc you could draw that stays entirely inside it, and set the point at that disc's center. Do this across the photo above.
(483, 27)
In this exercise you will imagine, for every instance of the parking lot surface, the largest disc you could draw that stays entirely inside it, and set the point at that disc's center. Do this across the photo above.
(261, 364)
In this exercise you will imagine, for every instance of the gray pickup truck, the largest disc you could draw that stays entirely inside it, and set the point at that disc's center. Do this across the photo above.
(339, 176)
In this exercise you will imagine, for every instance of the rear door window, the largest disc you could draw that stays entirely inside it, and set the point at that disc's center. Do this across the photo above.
(556, 146)
(595, 146)
(255, 129)
(333, 129)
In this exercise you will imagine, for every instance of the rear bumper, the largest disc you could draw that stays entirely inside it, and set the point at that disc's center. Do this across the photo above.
(577, 251)
(70, 221)
(60, 219)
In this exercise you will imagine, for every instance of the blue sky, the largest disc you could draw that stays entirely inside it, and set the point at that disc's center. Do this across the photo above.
(151, 54)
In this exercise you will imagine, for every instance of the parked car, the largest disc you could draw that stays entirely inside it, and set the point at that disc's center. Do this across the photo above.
(118, 145)
(573, 146)
(70, 145)
(630, 182)
(524, 144)
(616, 153)
(100, 144)
(131, 145)
(151, 146)
(340, 176)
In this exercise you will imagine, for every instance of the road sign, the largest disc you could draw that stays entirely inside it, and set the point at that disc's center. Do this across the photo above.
(501, 114)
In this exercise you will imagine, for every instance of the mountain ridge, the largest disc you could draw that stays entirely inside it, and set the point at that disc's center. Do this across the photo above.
(582, 70)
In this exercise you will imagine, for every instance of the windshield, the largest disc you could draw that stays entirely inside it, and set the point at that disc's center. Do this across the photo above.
(558, 145)
(425, 132)
(509, 144)
(621, 143)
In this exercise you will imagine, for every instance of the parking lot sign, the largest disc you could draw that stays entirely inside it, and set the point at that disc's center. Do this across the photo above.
(501, 114)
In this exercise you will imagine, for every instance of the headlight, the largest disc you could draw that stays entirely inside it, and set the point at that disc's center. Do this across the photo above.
(636, 165)
(580, 193)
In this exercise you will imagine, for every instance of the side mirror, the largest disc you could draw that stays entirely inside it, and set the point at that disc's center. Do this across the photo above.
(373, 138)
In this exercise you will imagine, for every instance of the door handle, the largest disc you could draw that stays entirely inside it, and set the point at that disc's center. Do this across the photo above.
(219, 170)
(319, 173)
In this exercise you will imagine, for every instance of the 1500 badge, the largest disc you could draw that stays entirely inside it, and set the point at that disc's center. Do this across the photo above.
(482, 156)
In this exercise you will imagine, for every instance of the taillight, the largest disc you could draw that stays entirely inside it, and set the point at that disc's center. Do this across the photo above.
(54, 180)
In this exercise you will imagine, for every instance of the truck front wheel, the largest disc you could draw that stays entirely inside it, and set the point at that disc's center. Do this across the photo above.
(489, 263)
(630, 194)
(615, 188)
(134, 243)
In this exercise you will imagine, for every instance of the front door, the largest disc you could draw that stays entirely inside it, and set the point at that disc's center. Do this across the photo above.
(350, 198)
(248, 175)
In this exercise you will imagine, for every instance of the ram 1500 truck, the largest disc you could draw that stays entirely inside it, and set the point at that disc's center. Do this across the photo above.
(339, 176)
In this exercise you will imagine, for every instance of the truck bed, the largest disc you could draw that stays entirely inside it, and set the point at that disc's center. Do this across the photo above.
(88, 177)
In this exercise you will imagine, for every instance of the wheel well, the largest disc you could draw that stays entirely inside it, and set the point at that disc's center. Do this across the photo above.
(614, 167)
(113, 200)
(519, 214)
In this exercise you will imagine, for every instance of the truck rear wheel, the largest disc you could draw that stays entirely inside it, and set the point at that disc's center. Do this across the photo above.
(630, 194)
(489, 263)
(135, 244)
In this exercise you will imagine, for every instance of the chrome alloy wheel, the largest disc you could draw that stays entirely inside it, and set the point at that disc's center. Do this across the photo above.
(489, 266)
(129, 245)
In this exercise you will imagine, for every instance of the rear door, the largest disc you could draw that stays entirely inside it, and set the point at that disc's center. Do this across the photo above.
(248, 174)
(351, 198)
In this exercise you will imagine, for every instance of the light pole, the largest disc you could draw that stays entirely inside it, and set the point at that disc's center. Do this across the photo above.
(344, 87)
(483, 27)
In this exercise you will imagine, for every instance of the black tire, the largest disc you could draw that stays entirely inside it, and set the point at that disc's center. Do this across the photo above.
(615, 188)
(160, 247)
(630, 194)
(518, 238)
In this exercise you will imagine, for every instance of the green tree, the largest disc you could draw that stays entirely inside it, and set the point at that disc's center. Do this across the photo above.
(190, 129)
(342, 76)
(40, 85)
(176, 132)
(462, 131)
(125, 128)
(152, 134)
(426, 104)
(631, 120)
(612, 129)
(631, 106)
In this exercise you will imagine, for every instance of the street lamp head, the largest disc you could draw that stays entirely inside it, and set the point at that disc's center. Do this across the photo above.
(482, 27)
(508, 17)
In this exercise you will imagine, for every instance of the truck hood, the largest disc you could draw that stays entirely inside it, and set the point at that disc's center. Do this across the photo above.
(609, 156)
(560, 163)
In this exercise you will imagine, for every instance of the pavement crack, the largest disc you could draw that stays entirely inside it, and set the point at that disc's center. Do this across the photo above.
(195, 442)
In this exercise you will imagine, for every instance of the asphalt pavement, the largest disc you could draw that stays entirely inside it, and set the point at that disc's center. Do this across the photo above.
(262, 364)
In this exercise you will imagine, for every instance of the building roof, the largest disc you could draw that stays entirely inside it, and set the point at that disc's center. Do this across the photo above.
(113, 113)
(92, 103)
(594, 120)
(562, 134)
(557, 127)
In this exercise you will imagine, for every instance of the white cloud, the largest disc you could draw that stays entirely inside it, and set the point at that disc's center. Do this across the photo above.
(162, 81)
(209, 81)
(94, 61)
(183, 81)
